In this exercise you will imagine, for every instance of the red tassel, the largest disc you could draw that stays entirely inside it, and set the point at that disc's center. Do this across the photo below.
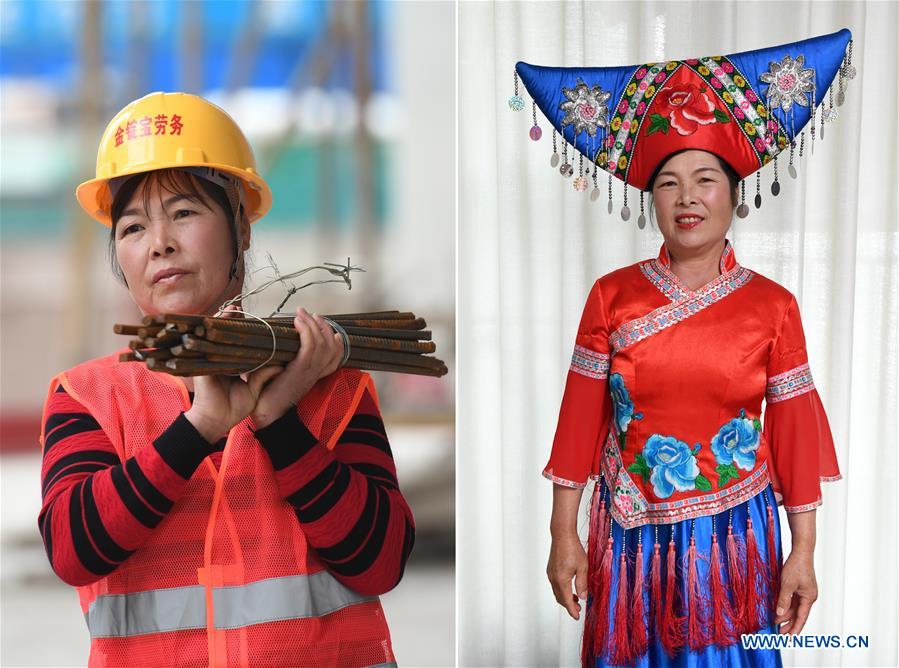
(722, 615)
(737, 580)
(655, 586)
(604, 518)
(672, 630)
(593, 559)
(697, 604)
(601, 621)
(621, 637)
(755, 574)
(639, 640)
(773, 564)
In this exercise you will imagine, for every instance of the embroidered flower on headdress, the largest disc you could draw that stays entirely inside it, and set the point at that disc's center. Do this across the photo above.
(587, 108)
(684, 107)
(788, 82)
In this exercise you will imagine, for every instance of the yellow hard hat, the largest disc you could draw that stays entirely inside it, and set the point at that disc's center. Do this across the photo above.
(172, 130)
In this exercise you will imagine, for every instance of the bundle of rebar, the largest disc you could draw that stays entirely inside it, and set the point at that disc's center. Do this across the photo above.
(191, 345)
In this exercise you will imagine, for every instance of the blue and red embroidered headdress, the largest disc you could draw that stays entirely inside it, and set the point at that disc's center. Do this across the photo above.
(745, 107)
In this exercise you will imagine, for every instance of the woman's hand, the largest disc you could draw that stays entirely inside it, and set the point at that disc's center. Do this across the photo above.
(798, 591)
(798, 587)
(221, 402)
(567, 558)
(320, 353)
(567, 561)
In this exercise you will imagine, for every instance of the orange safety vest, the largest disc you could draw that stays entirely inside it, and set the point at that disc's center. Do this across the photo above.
(227, 577)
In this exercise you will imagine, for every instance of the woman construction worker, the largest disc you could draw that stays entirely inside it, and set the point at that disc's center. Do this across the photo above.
(217, 520)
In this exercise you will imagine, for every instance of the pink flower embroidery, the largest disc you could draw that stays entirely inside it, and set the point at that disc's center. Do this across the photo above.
(627, 144)
(660, 77)
(738, 113)
(641, 108)
(716, 83)
(759, 145)
(692, 61)
(626, 125)
(718, 71)
(622, 108)
(751, 96)
(727, 67)
(643, 85)
(641, 73)
(686, 108)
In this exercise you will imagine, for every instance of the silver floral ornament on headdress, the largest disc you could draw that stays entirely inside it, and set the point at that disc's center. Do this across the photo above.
(788, 82)
(586, 108)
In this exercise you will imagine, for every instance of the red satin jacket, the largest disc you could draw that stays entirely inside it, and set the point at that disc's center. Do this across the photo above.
(664, 396)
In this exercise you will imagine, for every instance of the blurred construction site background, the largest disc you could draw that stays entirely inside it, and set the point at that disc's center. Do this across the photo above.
(350, 109)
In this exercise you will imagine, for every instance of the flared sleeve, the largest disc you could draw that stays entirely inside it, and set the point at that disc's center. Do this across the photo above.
(796, 427)
(586, 405)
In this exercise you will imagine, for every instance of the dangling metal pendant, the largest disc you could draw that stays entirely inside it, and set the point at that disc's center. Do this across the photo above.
(791, 170)
(625, 210)
(565, 170)
(554, 160)
(516, 102)
(743, 209)
(641, 221)
(841, 98)
(758, 201)
(580, 184)
(535, 132)
(594, 194)
(758, 190)
(610, 206)
(775, 185)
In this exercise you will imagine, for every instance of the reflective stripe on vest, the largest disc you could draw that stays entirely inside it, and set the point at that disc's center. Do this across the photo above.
(181, 608)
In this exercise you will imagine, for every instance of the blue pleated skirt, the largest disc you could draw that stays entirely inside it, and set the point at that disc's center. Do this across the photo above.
(701, 529)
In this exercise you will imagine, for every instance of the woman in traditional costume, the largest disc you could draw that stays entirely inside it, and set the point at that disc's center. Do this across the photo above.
(216, 520)
(673, 358)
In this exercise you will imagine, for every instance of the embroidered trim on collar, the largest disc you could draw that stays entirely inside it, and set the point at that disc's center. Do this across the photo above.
(679, 310)
(659, 273)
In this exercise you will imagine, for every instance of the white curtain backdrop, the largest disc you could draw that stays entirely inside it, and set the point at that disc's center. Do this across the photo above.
(530, 247)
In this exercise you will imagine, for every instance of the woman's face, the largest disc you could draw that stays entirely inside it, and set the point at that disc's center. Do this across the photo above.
(693, 201)
(176, 256)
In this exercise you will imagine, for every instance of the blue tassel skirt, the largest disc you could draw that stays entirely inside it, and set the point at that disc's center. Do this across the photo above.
(599, 651)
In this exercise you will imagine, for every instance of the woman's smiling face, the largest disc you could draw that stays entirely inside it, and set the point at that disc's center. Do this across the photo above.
(694, 202)
(175, 250)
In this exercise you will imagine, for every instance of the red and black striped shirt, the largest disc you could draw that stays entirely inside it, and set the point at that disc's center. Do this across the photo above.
(98, 510)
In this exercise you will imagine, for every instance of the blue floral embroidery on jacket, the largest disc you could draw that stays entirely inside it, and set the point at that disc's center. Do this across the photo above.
(672, 465)
(737, 442)
(624, 407)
